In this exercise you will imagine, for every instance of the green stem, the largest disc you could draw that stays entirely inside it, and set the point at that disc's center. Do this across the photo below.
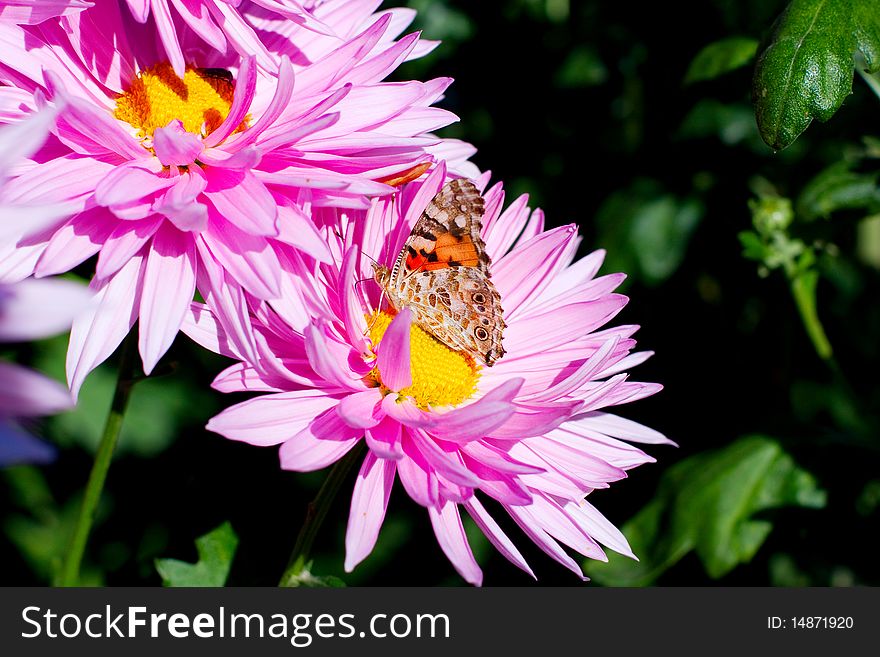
(69, 575)
(804, 297)
(315, 514)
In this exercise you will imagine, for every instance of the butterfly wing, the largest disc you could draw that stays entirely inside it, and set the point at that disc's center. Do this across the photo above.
(442, 275)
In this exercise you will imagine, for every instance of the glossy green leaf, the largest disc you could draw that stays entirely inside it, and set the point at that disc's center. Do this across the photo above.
(709, 504)
(806, 71)
(216, 549)
(721, 57)
(837, 188)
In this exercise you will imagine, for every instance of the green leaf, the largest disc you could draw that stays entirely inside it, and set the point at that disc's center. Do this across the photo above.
(753, 247)
(721, 57)
(806, 71)
(837, 188)
(707, 504)
(216, 550)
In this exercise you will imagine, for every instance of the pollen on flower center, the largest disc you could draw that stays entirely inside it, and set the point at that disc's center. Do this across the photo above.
(440, 375)
(200, 101)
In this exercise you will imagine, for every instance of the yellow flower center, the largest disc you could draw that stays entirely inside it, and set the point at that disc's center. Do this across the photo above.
(201, 100)
(440, 375)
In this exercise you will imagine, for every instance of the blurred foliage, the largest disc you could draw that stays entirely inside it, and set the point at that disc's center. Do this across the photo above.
(740, 260)
(721, 57)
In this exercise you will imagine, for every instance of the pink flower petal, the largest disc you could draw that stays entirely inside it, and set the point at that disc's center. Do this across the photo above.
(324, 441)
(249, 260)
(23, 138)
(197, 16)
(125, 242)
(561, 326)
(271, 419)
(599, 527)
(446, 463)
(246, 158)
(450, 535)
(168, 36)
(91, 129)
(173, 145)
(495, 535)
(98, 331)
(75, 242)
(368, 505)
(329, 71)
(241, 36)
(202, 327)
(25, 393)
(280, 100)
(245, 86)
(69, 179)
(393, 353)
(140, 9)
(230, 302)
(479, 418)
(524, 273)
(36, 309)
(352, 308)
(130, 182)
(297, 229)
(243, 201)
(416, 475)
(363, 409)
(384, 439)
(613, 425)
(243, 378)
(324, 355)
(542, 539)
(112, 66)
(180, 203)
(168, 287)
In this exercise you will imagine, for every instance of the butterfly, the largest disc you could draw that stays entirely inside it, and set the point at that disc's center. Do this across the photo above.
(442, 275)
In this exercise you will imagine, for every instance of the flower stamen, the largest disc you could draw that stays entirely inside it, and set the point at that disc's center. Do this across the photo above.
(200, 101)
(440, 376)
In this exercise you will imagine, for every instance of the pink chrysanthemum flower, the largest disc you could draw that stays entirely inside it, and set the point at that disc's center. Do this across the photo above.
(532, 433)
(30, 310)
(205, 182)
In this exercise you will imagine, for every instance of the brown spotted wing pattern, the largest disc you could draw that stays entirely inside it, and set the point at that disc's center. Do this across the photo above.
(442, 275)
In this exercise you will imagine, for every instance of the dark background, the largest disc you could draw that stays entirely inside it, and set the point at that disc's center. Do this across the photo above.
(583, 106)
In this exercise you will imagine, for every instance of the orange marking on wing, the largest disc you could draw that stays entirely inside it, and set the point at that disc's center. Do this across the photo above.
(460, 249)
(405, 176)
